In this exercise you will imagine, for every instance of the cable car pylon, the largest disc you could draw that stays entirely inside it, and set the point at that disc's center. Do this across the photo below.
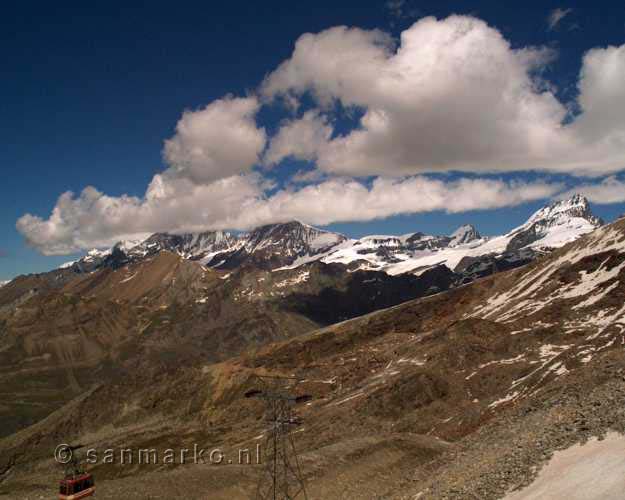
(281, 477)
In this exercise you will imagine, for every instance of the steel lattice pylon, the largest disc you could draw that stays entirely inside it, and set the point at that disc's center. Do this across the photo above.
(281, 477)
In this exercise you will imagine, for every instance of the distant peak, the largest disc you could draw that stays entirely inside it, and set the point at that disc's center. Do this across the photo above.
(296, 223)
(126, 245)
(287, 227)
(575, 205)
(464, 234)
(464, 229)
(575, 200)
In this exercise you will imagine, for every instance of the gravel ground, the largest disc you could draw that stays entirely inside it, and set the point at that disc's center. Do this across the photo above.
(508, 453)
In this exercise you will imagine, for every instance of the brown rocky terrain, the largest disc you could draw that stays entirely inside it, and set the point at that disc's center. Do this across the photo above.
(463, 394)
(56, 342)
(63, 332)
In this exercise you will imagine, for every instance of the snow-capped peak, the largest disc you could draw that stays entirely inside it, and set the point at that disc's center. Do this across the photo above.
(126, 245)
(94, 252)
(292, 238)
(555, 224)
(464, 234)
(550, 227)
(575, 206)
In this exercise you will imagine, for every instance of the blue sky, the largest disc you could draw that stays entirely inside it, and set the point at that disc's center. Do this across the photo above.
(91, 92)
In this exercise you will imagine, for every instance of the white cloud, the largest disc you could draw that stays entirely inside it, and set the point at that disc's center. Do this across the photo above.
(609, 190)
(306, 176)
(602, 98)
(300, 138)
(337, 62)
(556, 15)
(338, 199)
(216, 142)
(94, 219)
(454, 96)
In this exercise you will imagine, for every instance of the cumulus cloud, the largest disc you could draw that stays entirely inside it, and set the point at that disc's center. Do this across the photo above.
(609, 190)
(300, 138)
(602, 98)
(335, 63)
(305, 176)
(216, 142)
(453, 96)
(93, 219)
(556, 15)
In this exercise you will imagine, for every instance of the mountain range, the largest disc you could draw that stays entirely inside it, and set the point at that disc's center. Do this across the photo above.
(431, 366)
(292, 244)
(455, 395)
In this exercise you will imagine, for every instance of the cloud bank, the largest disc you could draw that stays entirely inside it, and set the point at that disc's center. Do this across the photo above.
(450, 95)
(609, 190)
(93, 219)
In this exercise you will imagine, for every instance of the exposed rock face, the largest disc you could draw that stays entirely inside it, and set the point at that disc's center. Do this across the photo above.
(278, 245)
(464, 234)
(471, 268)
(198, 246)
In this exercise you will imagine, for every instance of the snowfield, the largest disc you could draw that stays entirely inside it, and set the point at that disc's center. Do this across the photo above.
(595, 470)
(552, 226)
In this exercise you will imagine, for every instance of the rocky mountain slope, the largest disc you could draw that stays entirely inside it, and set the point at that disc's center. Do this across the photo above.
(58, 339)
(110, 307)
(61, 332)
(463, 394)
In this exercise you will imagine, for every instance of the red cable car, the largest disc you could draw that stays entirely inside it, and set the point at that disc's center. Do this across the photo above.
(77, 483)
(79, 486)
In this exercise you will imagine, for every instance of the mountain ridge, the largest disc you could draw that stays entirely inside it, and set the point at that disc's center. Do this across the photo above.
(294, 243)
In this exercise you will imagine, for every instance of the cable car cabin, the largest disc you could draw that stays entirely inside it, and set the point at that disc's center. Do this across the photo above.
(80, 486)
